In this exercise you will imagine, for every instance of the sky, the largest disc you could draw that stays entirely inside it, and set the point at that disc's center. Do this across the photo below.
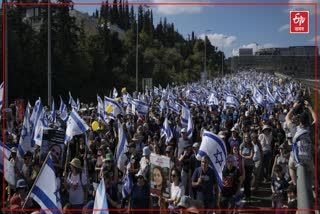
(232, 27)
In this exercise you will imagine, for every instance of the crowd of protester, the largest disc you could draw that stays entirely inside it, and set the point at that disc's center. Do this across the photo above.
(258, 141)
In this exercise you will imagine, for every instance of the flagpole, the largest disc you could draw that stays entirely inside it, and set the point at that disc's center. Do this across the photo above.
(67, 157)
(43, 165)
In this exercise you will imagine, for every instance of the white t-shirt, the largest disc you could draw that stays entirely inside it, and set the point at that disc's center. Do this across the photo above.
(256, 152)
(176, 191)
(265, 141)
(76, 193)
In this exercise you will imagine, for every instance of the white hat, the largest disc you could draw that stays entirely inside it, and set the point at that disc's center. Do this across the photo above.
(140, 174)
(265, 127)
(184, 130)
(196, 145)
(146, 151)
(246, 113)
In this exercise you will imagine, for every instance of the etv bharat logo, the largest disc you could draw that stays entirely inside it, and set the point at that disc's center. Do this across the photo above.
(299, 21)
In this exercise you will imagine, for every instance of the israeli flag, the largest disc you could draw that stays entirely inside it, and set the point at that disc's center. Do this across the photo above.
(185, 115)
(127, 184)
(121, 147)
(100, 108)
(193, 99)
(52, 116)
(141, 108)
(174, 106)
(1, 96)
(112, 108)
(166, 131)
(37, 109)
(257, 97)
(163, 105)
(270, 97)
(214, 147)
(37, 121)
(63, 110)
(38, 129)
(75, 126)
(45, 189)
(114, 93)
(25, 138)
(72, 102)
(126, 99)
(100, 201)
(232, 101)
(190, 127)
(78, 105)
(4, 150)
(213, 100)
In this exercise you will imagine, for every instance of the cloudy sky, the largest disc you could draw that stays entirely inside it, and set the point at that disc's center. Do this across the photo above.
(232, 27)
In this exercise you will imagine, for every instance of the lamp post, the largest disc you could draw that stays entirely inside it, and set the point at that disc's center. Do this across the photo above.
(137, 54)
(49, 56)
(6, 54)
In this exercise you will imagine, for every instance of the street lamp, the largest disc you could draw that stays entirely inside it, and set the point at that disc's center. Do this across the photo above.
(137, 52)
(6, 54)
(49, 56)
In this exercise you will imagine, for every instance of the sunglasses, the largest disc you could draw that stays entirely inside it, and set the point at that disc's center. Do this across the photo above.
(173, 175)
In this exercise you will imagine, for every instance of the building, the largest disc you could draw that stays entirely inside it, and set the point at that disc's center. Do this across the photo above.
(245, 51)
(295, 60)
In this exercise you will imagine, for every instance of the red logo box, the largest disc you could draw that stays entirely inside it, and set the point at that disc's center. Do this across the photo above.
(299, 21)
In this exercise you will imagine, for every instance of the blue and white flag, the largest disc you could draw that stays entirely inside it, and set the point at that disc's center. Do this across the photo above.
(45, 191)
(37, 120)
(257, 97)
(4, 150)
(100, 201)
(213, 100)
(52, 116)
(193, 99)
(140, 107)
(114, 93)
(214, 147)
(121, 147)
(38, 129)
(185, 115)
(78, 105)
(166, 131)
(63, 110)
(112, 108)
(162, 106)
(37, 110)
(270, 97)
(72, 102)
(190, 127)
(75, 126)
(25, 138)
(126, 99)
(1, 96)
(127, 184)
(174, 106)
(100, 108)
(232, 101)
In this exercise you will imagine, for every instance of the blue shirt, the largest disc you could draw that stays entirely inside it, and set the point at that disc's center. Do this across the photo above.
(208, 181)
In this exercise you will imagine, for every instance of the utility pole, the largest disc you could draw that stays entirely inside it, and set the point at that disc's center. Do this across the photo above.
(6, 85)
(137, 54)
(49, 56)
